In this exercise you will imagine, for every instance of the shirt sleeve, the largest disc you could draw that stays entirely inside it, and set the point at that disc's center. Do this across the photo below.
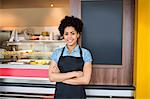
(55, 56)
(87, 57)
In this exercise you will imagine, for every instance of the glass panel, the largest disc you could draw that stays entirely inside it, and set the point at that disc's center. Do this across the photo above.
(102, 32)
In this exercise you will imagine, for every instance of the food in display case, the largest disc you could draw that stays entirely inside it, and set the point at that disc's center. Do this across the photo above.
(33, 46)
(33, 52)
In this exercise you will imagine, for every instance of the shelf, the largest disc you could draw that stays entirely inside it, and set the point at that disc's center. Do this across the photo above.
(35, 41)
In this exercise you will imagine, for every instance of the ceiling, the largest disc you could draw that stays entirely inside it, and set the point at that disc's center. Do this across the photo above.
(6, 4)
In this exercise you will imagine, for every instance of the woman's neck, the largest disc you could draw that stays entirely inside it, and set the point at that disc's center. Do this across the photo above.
(70, 48)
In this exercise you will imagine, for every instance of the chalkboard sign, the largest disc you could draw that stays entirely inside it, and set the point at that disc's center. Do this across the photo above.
(102, 32)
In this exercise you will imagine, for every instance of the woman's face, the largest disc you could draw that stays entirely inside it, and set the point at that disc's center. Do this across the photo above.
(70, 36)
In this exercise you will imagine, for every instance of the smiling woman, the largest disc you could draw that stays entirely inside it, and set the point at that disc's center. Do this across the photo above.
(71, 65)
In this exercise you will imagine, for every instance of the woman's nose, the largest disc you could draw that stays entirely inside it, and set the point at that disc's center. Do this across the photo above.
(69, 35)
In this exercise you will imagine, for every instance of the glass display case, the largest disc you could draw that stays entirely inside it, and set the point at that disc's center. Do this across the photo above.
(33, 52)
(29, 45)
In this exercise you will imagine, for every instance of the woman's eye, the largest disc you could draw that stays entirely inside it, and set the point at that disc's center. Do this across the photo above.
(73, 33)
(66, 33)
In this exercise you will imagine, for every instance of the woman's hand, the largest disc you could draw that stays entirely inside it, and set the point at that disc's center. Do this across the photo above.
(56, 76)
(55, 69)
(82, 78)
(78, 74)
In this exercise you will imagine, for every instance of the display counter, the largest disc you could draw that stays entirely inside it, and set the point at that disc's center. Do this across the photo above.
(31, 81)
(24, 72)
(27, 61)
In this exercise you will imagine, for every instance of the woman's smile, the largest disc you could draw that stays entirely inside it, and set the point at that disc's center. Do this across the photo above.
(71, 36)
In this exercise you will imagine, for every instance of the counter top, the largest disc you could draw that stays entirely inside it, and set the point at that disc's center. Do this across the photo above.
(26, 66)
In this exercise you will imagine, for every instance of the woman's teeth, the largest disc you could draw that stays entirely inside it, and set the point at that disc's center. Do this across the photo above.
(70, 40)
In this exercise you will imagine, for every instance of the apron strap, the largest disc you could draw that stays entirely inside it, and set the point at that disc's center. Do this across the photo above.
(62, 51)
(79, 49)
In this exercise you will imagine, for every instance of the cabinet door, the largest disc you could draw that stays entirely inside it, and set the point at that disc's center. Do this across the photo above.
(108, 33)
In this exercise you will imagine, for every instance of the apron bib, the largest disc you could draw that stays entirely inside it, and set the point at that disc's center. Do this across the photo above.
(68, 64)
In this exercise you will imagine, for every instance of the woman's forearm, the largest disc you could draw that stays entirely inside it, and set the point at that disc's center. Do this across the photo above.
(82, 80)
(60, 77)
(77, 81)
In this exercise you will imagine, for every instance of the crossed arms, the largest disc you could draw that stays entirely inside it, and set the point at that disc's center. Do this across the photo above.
(73, 78)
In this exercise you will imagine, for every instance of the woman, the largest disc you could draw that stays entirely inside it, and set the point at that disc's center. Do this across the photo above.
(71, 66)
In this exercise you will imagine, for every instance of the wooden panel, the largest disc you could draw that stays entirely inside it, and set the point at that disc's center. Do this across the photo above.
(0, 4)
(121, 74)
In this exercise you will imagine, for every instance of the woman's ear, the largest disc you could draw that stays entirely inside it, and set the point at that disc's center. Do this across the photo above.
(78, 35)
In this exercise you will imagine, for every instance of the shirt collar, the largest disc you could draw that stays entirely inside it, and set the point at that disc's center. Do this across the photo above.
(74, 50)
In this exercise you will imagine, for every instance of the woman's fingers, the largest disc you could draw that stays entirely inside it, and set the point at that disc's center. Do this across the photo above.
(79, 73)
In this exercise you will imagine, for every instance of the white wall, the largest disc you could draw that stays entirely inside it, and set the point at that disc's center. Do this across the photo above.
(33, 13)
(32, 16)
(0, 11)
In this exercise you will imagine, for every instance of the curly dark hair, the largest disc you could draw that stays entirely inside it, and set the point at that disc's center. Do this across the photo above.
(70, 21)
